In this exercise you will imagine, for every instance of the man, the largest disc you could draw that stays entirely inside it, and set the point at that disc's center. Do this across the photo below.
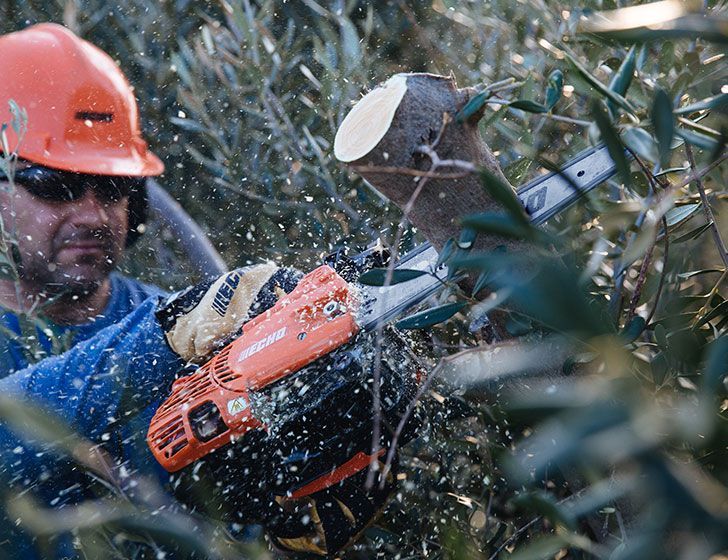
(77, 197)
(73, 205)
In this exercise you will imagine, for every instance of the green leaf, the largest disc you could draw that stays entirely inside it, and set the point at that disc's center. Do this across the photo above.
(528, 105)
(378, 276)
(680, 214)
(693, 273)
(498, 224)
(446, 253)
(430, 317)
(660, 366)
(19, 121)
(661, 336)
(642, 57)
(663, 122)
(622, 79)
(554, 89)
(481, 282)
(641, 142)
(709, 103)
(611, 139)
(474, 105)
(714, 313)
(504, 195)
(633, 329)
(716, 365)
(600, 87)
(697, 139)
(350, 44)
(693, 234)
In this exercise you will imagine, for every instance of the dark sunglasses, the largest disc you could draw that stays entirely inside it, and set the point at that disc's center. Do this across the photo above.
(63, 186)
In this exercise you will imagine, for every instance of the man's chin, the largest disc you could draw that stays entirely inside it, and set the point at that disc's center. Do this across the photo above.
(78, 280)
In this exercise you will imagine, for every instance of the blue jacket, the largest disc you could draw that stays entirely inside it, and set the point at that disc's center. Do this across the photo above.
(126, 295)
(106, 388)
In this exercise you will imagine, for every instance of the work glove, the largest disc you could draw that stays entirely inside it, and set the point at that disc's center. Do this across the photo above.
(326, 522)
(201, 319)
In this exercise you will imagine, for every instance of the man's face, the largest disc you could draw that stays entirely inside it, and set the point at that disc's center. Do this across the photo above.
(65, 247)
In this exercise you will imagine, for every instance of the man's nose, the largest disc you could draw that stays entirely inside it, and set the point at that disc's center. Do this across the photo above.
(88, 211)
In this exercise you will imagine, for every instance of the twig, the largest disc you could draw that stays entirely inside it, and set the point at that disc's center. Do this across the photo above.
(403, 421)
(704, 309)
(393, 170)
(514, 537)
(642, 276)
(706, 208)
(437, 162)
(566, 119)
(700, 127)
(702, 173)
(663, 275)
(376, 374)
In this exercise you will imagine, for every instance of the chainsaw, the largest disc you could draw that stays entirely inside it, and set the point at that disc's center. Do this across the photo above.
(288, 404)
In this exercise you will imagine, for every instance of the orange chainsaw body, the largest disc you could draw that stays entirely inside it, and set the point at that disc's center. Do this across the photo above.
(314, 319)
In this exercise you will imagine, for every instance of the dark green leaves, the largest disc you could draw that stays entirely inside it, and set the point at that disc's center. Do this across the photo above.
(498, 224)
(622, 79)
(611, 139)
(680, 214)
(633, 329)
(600, 87)
(663, 122)
(693, 234)
(697, 139)
(716, 366)
(717, 312)
(504, 195)
(709, 103)
(473, 106)
(554, 89)
(378, 276)
(641, 142)
(430, 317)
(528, 105)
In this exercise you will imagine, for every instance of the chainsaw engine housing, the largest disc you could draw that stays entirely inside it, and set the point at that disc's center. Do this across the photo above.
(287, 408)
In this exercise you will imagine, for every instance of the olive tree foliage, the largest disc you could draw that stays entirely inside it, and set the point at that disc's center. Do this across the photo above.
(623, 453)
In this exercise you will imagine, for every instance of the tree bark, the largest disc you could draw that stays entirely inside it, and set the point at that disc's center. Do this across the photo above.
(425, 117)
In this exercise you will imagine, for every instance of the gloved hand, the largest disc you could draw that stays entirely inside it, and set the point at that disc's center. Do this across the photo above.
(328, 521)
(202, 318)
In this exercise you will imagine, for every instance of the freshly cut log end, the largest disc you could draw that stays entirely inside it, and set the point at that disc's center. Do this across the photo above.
(382, 139)
(369, 120)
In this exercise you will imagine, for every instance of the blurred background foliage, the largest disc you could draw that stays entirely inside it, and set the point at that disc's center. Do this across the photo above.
(620, 452)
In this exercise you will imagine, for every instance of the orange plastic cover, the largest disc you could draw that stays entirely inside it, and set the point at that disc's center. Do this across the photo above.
(314, 319)
(82, 114)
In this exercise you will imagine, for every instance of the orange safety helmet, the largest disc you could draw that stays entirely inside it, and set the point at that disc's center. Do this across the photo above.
(82, 115)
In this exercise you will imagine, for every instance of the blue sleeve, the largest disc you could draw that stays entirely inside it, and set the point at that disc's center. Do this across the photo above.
(127, 365)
